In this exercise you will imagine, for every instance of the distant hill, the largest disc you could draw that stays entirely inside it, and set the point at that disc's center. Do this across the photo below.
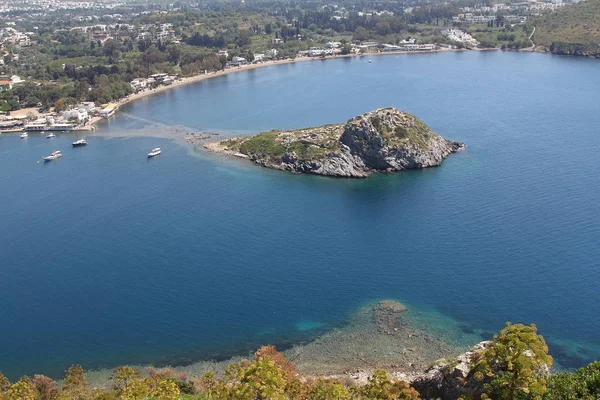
(572, 30)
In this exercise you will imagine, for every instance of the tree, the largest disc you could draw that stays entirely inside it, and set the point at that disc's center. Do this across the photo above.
(382, 387)
(46, 387)
(581, 385)
(121, 377)
(23, 389)
(136, 389)
(517, 363)
(82, 88)
(75, 384)
(328, 389)
(361, 33)
(4, 383)
(166, 389)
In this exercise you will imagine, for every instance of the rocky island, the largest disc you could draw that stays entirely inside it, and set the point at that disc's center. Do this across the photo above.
(383, 140)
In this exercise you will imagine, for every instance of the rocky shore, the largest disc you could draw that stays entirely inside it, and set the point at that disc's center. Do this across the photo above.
(379, 335)
(383, 140)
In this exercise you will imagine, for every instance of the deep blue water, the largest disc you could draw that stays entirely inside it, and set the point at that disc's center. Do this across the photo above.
(108, 258)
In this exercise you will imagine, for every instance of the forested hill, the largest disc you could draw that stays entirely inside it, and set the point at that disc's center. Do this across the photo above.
(572, 30)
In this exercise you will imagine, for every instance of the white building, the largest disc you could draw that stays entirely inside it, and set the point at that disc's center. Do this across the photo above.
(238, 60)
(139, 84)
(258, 57)
(80, 115)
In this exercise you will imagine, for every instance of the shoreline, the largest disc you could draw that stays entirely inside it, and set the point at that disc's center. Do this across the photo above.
(248, 67)
(379, 334)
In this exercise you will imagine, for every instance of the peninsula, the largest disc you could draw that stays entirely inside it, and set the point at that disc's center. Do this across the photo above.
(383, 140)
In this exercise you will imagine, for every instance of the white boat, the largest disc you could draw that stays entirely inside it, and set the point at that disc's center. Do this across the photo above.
(370, 61)
(56, 154)
(50, 136)
(23, 135)
(80, 142)
(154, 152)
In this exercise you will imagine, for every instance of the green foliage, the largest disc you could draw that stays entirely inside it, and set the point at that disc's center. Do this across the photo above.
(383, 387)
(581, 385)
(4, 383)
(23, 389)
(516, 363)
(572, 30)
(328, 389)
(264, 145)
(122, 376)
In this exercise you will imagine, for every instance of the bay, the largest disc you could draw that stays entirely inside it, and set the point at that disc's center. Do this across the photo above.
(109, 258)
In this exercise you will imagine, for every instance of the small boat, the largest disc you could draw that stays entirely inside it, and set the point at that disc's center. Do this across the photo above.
(80, 142)
(154, 152)
(23, 135)
(370, 61)
(56, 154)
(50, 135)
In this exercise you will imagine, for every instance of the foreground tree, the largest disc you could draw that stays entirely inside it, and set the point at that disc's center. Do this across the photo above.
(515, 365)
(23, 389)
(383, 387)
(581, 385)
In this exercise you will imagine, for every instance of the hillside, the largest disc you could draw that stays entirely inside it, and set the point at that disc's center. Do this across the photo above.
(383, 140)
(572, 30)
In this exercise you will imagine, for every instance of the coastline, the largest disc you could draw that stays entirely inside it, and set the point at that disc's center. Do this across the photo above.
(216, 74)
(380, 334)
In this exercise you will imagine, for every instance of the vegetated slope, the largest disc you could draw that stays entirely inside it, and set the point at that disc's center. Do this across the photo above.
(383, 140)
(572, 30)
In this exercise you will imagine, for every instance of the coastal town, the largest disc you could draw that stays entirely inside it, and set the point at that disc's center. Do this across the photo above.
(95, 56)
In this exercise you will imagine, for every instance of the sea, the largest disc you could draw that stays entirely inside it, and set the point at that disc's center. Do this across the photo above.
(109, 258)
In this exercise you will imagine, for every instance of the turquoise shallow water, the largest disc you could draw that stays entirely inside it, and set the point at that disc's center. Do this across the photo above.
(108, 258)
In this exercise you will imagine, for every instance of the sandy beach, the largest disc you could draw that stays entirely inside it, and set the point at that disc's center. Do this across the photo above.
(209, 75)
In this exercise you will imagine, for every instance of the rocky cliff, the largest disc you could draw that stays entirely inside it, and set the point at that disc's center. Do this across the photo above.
(383, 140)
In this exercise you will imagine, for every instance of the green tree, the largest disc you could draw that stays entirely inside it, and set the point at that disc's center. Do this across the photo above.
(328, 389)
(23, 389)
(4, 383)
(383, 387)
(516, 364)
(581, 385)
(75, 384)
(121, 376)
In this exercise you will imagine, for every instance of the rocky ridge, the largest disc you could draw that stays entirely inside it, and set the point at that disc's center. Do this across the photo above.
(383, 140)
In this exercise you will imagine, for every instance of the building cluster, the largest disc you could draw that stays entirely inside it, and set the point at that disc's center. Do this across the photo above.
(46, 6)
(460, 36)
(237, 61)
(335, 48)
(470, 18)
(8, 82)
(153, 81)
(517, 12)
(74, 117)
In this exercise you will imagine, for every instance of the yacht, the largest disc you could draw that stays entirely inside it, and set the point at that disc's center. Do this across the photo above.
(23, 135)
(56, 154)
(154, 152)
(50, 135)
(80, 142)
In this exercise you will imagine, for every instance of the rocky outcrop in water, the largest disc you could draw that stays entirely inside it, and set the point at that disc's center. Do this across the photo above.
(384, 140)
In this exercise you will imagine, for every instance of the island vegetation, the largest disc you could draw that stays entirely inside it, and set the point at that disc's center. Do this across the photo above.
(515, 364)
(383, 140)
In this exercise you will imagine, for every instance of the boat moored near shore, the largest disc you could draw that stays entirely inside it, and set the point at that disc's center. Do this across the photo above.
(78, 143)
(56, 154)
(23, 135)
(154, 152)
